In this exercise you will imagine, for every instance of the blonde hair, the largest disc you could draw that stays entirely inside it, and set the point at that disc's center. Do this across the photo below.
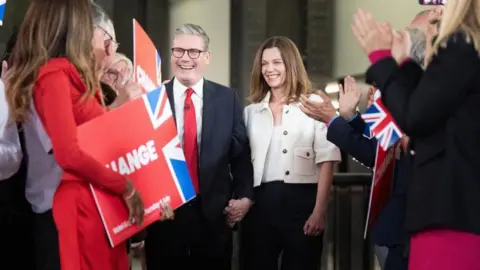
(459, 15)
(296, 79)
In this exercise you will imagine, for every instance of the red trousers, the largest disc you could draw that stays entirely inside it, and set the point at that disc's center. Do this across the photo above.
(83, 242)
(444, 250)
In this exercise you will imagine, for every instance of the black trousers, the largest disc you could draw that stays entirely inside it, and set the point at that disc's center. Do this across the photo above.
(397, 259)
(47, 255)
(274, 226)
(188, 242)
(16, 234)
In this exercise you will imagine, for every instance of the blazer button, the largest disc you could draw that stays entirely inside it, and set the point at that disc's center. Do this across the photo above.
(412, 152)
(285, 132)
(287, 173)
(308, 154)
(284, 151)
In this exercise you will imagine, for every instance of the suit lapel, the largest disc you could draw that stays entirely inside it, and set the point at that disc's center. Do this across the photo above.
(208, 120)
(171, 98)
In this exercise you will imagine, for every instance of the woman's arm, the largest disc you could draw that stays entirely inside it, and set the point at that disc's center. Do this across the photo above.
(326, 154)
(325, 179)
(52, 97)
(441, 90)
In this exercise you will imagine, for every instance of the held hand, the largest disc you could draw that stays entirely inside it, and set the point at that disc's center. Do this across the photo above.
(237, 209)
(401, 46)
(349, 97)
(134, 203)
(167, 212)
(322, 111)
(315, 223)
(371, 36)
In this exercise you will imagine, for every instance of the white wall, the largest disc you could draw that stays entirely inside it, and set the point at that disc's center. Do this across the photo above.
(348, 58)
(214, 17)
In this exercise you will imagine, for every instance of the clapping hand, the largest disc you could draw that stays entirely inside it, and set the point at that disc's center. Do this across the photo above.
(371, 36)
(401, 46)
(322, 111)
(349, 97)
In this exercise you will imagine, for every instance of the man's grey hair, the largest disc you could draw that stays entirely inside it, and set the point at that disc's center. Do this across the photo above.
(419, 41)
(196, 30)
(101, 19)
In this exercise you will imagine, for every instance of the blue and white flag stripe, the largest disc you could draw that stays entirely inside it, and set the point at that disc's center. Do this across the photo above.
(3, 3)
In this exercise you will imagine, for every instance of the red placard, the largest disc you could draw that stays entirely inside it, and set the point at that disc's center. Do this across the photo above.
(139, 140)
(146, 60)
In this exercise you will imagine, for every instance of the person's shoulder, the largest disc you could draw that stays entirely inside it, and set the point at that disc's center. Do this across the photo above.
(459, 40)
(218, 86)
(251, 107)
(57, 68)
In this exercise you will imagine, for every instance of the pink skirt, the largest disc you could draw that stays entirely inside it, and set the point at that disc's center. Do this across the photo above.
(444, 250)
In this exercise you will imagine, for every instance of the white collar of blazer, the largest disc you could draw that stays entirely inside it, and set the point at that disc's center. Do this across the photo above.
(266, 100)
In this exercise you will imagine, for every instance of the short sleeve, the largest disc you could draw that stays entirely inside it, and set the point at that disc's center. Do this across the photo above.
(324, 150)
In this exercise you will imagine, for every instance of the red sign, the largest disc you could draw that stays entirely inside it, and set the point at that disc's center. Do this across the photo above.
(382, 183)
(146, 60)
(139, 140)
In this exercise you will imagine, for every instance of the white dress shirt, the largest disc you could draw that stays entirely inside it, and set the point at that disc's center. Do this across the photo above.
(179, 95)
(10, 148)
(304, 142)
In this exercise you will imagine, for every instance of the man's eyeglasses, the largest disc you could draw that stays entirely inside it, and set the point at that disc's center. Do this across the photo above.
(108, 36)
(192, 53)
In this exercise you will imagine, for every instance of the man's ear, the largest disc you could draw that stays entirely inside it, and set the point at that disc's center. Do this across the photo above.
(109, 48)
(208, 55)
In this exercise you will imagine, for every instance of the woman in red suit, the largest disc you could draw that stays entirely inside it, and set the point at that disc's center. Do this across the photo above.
(55, 63)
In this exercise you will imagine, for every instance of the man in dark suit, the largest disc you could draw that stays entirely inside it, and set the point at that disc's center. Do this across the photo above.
(210, 125)
(346, 132)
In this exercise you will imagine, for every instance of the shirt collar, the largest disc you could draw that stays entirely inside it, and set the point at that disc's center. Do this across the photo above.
(266, 101)
(179, 89)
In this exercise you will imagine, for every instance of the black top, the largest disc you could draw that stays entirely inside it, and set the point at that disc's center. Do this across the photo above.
(439, 108)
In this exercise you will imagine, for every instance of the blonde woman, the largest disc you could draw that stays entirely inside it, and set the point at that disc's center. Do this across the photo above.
(439, 108)
(121, 86)
(292, 163)
(121, 67)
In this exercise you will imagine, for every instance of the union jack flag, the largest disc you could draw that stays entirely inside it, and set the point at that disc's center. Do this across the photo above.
(3, 3)
(381, 124)
(159, 110)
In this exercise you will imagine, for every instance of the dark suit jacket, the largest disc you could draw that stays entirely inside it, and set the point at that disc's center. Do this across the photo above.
(225, 168)
(440, 113)
(389, 229)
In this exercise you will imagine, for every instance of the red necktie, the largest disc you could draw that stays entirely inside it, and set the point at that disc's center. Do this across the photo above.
(190, 144)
